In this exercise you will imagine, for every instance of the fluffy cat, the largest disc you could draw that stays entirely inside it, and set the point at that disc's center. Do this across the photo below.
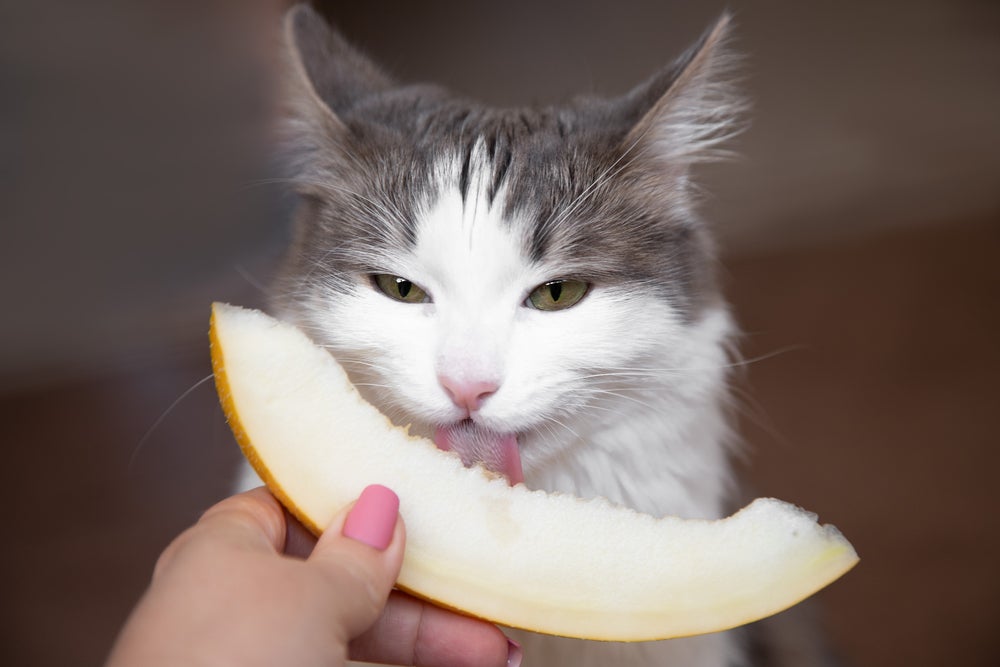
(530, 287)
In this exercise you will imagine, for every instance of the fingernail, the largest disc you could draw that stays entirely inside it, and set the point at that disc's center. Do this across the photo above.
(514, 653)
(372, 520)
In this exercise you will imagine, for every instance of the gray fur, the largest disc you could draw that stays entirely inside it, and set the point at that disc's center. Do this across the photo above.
(589, 176)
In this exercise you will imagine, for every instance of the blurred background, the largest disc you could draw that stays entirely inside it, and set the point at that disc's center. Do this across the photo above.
(860, 231)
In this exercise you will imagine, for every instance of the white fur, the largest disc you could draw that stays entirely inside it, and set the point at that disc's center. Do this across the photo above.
(613, 397)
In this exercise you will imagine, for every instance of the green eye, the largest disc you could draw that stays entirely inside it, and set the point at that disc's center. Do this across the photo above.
(400, 289)
(557, 294)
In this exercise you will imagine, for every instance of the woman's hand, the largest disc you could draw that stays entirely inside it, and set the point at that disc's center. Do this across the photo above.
(233, 589)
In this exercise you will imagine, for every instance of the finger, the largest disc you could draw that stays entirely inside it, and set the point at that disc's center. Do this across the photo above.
(414, 632)
(360, 553)
(252, 521)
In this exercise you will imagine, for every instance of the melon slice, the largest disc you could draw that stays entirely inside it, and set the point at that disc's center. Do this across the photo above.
(545, 562)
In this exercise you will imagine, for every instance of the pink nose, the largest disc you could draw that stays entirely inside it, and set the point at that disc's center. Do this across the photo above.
(468, 394)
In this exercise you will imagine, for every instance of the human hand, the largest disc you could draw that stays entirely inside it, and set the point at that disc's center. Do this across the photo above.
(233, 590)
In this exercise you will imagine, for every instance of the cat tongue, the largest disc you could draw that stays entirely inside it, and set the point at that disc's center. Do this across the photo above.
(497, 452)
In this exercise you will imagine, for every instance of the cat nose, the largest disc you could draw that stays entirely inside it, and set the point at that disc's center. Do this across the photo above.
(468, 394)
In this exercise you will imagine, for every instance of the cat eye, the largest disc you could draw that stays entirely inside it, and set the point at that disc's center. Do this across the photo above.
(557, 294)
(400, 289)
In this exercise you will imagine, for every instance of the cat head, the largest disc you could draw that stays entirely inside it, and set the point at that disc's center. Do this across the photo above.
(506, 280)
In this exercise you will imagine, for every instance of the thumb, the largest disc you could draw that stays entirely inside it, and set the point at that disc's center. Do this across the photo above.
(360, 553)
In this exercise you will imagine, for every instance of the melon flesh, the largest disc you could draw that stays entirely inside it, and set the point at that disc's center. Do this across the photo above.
(550, 563)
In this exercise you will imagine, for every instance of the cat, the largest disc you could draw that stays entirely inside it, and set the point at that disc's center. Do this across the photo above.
(531, 288)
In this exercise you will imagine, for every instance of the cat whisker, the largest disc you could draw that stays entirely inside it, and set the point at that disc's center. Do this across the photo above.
(627, 374)
(370, 209)
(159, 420)
(252, 280)
(599, 393)
(373, 384)
(549, 421)
(331, 186)
(740, 363)
(745, 405)
(590, 405)
(345, 360)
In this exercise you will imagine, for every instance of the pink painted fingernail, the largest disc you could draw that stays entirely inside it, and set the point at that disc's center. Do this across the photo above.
(514, 653)
(372, 520)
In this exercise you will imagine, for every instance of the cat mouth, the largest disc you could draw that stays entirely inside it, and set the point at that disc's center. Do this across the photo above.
(497, 452)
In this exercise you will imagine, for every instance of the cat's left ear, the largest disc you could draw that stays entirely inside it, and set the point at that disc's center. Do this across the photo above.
(685, 113)
(323, 77)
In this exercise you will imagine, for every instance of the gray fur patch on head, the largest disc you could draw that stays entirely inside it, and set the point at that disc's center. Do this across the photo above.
(601, 187)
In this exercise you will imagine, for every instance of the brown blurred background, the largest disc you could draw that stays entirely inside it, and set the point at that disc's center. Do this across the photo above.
(860, 229)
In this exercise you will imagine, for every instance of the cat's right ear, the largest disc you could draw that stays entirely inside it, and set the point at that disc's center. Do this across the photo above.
(323, 77)
(690, 109)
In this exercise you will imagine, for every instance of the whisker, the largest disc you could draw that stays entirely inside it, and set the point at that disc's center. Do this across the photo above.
(388, 208)
(626, 371)
(373, 384)
(550, 428)
(163, 415)
(601, 393)
(747, 406)
(243, 273)
(550, 418)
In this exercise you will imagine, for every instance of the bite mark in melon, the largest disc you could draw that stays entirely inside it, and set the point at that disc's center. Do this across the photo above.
(545, 562)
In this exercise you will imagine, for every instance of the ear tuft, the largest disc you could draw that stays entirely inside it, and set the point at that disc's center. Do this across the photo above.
(690, 109)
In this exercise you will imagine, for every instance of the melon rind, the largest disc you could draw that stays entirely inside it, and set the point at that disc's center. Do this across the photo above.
(545, 562)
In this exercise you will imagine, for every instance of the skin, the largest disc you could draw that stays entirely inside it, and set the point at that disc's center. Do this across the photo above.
(247, 585)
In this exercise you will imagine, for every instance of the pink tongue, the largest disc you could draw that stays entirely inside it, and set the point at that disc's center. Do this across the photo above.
(495, 451)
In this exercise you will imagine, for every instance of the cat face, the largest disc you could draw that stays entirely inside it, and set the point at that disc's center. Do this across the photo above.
(504, 281)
